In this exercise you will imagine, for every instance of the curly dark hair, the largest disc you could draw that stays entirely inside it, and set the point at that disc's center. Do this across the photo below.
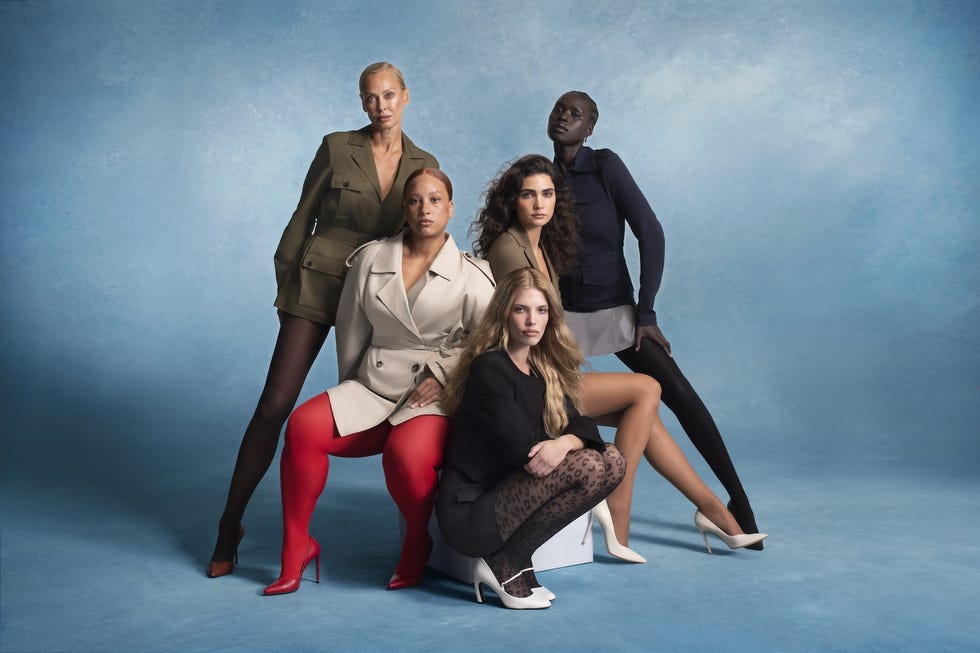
(559, 238)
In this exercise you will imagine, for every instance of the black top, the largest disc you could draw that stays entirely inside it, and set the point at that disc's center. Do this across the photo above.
(500, 418)
(607, 198)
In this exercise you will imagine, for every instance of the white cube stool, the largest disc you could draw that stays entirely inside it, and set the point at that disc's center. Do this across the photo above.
(564, 549)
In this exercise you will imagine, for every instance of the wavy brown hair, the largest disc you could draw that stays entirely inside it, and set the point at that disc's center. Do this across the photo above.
(559, 238)
(556, 357)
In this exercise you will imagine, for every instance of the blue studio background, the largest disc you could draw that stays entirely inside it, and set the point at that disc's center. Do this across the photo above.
(815, 168)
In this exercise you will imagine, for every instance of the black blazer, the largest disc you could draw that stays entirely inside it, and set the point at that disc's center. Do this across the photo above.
(498, 422)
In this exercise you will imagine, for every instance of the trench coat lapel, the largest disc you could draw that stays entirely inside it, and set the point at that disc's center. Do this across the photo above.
(432, 302)
(392, 292)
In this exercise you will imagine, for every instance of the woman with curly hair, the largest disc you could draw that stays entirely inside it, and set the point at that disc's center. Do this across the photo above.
(529, 220)
(522, 463)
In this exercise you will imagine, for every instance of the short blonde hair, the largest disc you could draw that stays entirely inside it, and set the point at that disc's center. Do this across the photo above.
(380, 67)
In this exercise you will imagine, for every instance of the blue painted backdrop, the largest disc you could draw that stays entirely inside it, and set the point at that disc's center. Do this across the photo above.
(815, 167)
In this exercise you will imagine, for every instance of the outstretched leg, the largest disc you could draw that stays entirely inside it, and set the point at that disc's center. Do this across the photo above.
(297, 347)
(411, 459)
(693, 415)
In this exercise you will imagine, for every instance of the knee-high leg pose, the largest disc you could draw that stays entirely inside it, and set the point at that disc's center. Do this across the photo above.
(630, 403)
(528, 221)
(405, 309)
(310, 271)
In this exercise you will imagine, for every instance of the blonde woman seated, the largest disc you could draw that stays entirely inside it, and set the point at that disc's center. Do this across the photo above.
(522, 463)
(529, 220)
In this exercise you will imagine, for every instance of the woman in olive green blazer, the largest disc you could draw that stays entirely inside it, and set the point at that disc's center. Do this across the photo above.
(352, 194)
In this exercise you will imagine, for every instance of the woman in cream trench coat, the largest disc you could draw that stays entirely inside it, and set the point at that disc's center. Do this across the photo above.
(407, 305)
(385, 349)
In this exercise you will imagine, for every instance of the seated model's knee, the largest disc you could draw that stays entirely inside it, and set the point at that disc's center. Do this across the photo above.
(652, 387)
(306, 419)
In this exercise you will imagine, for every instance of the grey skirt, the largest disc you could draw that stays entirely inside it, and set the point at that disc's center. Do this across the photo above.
(602, 332)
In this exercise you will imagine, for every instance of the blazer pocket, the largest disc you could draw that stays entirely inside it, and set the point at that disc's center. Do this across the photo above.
(322, 271)
(469, 493)
(348, 199)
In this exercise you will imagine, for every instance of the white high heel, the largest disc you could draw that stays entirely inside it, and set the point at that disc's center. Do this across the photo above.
(483, 576)
(543, 592)
(602, 515)
(703, 524)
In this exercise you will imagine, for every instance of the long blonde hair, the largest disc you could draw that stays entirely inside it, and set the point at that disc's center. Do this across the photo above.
(556, 357)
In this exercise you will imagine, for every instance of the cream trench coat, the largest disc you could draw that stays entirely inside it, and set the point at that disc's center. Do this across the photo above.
(384, 349)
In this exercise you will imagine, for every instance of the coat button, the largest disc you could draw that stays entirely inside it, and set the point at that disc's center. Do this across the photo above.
(379, 364)
(415, 368)
(346, 184)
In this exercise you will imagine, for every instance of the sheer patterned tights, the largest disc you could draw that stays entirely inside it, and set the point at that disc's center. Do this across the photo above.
(531, 509)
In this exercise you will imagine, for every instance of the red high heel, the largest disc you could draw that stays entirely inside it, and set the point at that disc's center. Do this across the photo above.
(411, 566)
(218, 568)
(287, 585)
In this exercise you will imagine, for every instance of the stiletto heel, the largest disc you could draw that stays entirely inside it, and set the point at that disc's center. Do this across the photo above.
(602, 515)
(218, 568)
(482, 575)
(287, 585)
(703, 524)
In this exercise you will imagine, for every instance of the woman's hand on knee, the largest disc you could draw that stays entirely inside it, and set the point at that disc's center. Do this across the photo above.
(547, 455)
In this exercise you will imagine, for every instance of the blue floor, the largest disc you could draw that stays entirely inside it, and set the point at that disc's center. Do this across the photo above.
(110, 557)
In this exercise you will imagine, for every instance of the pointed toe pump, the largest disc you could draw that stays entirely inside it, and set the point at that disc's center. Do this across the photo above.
(483, 576)
(602, 515)
(287, 585)
(543, 592)
(746, 520)
(411, 565)
(705, 525)
(219, 568)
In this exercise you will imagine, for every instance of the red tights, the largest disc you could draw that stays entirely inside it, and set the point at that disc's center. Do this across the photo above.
(411, 455)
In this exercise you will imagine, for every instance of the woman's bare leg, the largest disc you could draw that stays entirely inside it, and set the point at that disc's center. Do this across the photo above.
(630, 402)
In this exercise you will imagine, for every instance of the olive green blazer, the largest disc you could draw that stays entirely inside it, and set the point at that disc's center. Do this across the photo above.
(512, 251)
(339, 209)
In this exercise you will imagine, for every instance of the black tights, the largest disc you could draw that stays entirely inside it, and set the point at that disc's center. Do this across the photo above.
(297, 347)
(531, 509)
(678, 394)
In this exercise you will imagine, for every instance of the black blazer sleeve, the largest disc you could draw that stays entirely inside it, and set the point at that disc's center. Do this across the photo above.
(634, 208)
(583, 426)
